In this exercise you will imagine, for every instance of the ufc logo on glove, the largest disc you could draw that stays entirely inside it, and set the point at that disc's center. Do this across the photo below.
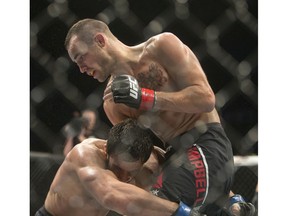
(126, 90)
(133, 88)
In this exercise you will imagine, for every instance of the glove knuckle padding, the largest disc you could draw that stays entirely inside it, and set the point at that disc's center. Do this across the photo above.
(125, 90)
(120, 86)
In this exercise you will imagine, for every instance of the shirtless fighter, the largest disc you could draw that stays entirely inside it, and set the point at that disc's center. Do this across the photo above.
(87, 183)
(161, 83)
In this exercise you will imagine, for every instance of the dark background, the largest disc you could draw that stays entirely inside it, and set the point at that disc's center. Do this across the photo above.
(222, 33)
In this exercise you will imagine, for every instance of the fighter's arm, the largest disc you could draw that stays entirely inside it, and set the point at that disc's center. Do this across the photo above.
(188, 92)
(88, 159)
(185, 70)
(122, 197)
(116, 112)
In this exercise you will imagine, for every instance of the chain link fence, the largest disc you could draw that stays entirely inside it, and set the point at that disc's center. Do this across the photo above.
(223, 34)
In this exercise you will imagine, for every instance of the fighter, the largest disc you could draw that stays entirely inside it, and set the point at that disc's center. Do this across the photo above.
(97, 175)
(161, 83)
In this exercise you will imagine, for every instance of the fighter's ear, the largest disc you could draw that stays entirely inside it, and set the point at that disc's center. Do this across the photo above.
(100, 39)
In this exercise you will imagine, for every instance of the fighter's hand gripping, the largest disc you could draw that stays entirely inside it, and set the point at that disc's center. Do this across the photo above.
(126, 90)
(238, 206)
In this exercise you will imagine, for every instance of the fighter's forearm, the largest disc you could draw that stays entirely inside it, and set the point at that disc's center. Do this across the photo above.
(115, 112)
(140, 203)
(123, 198)
(193, 99)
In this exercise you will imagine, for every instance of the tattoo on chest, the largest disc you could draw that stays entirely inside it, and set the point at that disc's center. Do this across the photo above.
(154, 78)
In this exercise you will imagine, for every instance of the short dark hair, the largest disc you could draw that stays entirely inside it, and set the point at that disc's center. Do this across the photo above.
(85, 30)
(128, 136)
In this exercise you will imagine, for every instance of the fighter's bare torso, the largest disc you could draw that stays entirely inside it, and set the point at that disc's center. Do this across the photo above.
(151, 73)
(67, 196)
(85, 164)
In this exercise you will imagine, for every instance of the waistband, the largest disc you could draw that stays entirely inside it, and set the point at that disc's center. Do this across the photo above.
(188, 138)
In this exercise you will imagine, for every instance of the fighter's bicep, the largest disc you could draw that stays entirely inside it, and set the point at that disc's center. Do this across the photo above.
(188, 72)
(179, 61)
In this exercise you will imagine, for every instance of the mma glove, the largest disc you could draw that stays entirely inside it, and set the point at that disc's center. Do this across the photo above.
(126, 90)
(246, 209)
(184, 210)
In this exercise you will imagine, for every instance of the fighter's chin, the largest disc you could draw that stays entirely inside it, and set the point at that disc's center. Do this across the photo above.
(96, 76)
(100, 79)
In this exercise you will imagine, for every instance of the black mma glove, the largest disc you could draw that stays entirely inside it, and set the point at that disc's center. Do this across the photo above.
(126, 90)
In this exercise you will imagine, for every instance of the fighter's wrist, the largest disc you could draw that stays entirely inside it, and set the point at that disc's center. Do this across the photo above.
(236, 199)
(148, 99)
(182, 210)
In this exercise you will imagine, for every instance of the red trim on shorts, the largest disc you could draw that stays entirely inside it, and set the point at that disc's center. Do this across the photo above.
(159, 182)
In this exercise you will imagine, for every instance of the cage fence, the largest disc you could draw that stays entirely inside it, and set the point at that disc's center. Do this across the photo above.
(223, 34)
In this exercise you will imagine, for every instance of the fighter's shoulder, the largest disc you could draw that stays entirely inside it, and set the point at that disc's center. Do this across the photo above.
(161, 40)
(162, 45)
(87, 147)
(94, 142)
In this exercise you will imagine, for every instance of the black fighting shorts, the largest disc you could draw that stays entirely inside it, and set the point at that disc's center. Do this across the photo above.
(199, 171)
(42, 212)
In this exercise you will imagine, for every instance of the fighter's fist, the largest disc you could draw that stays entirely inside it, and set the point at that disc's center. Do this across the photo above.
(125, 89)
(239, 207)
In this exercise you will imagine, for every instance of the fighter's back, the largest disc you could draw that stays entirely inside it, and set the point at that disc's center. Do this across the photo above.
(67, 195)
